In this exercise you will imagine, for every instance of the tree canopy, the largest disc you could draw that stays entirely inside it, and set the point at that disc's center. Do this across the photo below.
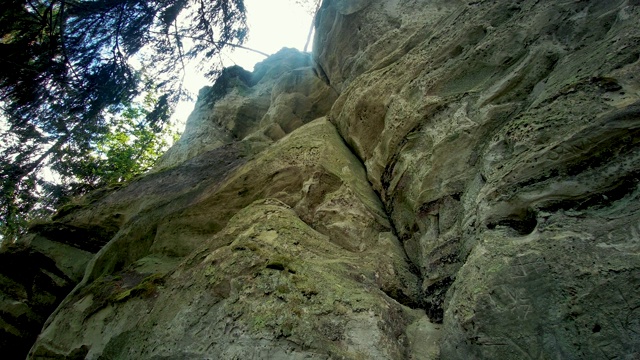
(70, 96)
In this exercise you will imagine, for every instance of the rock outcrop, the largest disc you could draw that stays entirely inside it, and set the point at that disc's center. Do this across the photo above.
(441, 180)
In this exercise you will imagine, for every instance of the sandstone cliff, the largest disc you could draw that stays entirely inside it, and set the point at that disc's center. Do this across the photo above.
(439, 180)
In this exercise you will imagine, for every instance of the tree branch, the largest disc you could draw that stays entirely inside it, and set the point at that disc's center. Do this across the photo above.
(247, 48)
(217, 44)
(313, 20)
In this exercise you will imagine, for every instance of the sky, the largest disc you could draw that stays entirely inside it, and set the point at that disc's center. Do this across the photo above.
(273, 24)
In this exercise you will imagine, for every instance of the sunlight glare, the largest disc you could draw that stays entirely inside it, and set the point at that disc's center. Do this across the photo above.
(273, 24)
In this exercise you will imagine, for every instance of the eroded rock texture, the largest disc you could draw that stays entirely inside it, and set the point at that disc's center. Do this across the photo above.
(441, 180)
(503, 139)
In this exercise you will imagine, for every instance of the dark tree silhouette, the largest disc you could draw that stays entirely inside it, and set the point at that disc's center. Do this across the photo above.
(66, 74)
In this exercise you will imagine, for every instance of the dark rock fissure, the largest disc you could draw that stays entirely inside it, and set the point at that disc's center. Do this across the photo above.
(523, 224)
(399, 297)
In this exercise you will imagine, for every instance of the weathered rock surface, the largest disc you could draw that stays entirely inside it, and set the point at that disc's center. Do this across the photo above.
(282, 94)
(302, 264)
(34, 278)
(445, 180)
(503, 139)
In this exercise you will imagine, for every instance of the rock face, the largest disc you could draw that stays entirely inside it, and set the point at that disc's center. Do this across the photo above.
(442, 180)
(503, 139)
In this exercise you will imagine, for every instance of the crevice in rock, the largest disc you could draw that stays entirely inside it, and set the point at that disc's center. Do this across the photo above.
(523, 224)
(403, 298)
(622, 188)
(90, 239)
(322, 75)
(433, 299)
(398, 296)
(33, 280)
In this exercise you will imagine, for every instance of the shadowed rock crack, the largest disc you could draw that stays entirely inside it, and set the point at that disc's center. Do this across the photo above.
(398, 296)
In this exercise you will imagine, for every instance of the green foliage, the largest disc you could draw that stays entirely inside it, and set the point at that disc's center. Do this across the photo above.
(129, 148)
(67, 90)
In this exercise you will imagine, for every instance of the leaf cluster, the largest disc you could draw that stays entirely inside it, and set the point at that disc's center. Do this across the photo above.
(67, 86)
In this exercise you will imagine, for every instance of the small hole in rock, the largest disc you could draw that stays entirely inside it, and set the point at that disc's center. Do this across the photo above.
(276, 266)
